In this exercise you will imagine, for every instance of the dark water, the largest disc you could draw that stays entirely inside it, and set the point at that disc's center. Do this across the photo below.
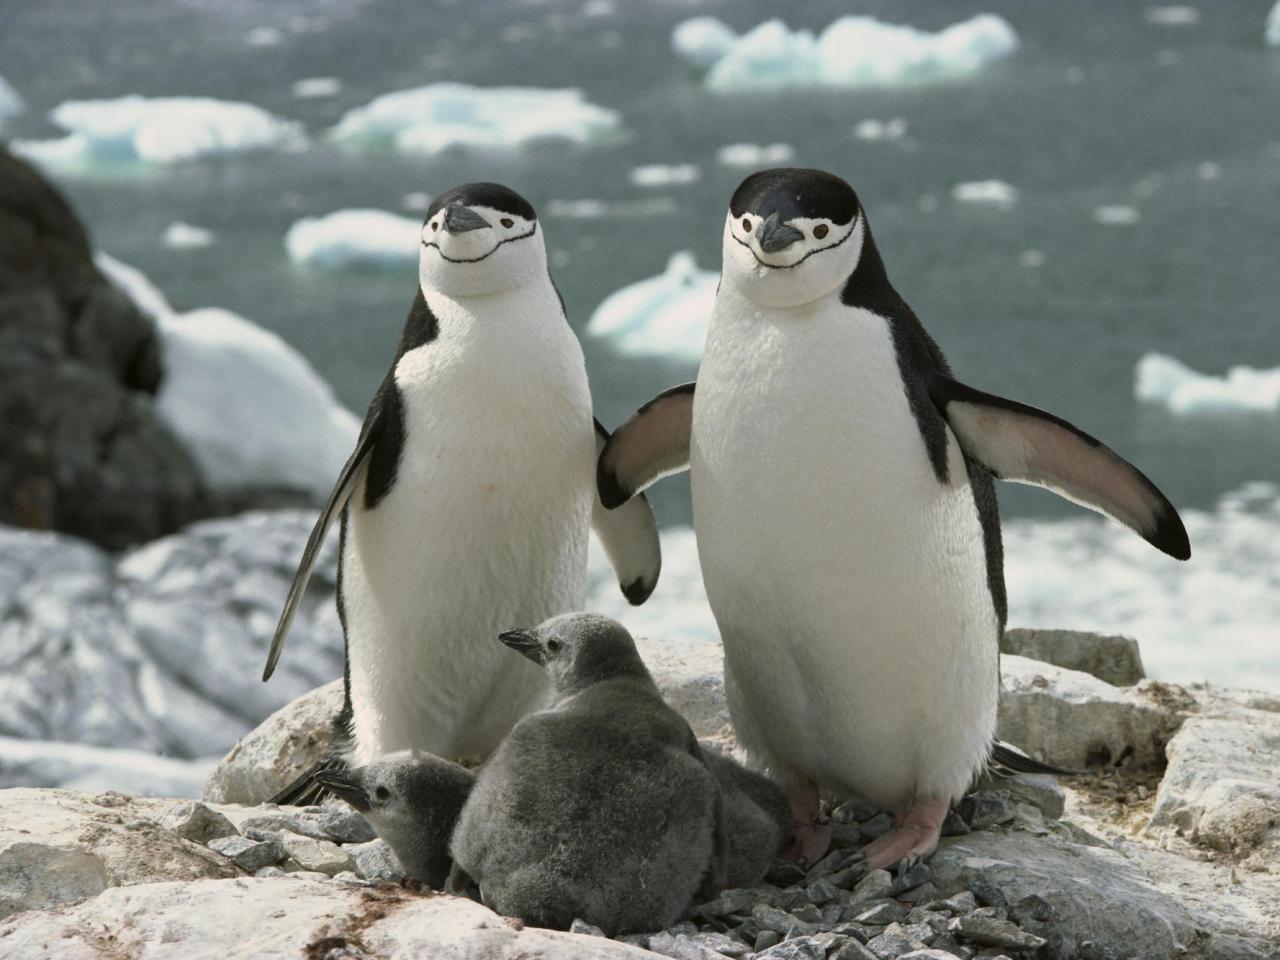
(1099, 106)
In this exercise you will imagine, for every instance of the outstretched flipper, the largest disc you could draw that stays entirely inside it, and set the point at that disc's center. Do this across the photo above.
(310, 789)
(352, 471)
(1014, 441)
(629, 536)
(1006, 758)
(653, 444)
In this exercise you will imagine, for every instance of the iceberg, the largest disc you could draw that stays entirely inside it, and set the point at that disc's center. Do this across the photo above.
(311, 88)
(1273, 26)
(354, 238)
(439, 116)
(755, 155)
(10, 103)
(250, 408)
(894, 128)
(186, 236)
(155, 131)
(995, 193)
(853, 51)
(78, 766)
(666, 315)
(1162, 379)
(666, 175)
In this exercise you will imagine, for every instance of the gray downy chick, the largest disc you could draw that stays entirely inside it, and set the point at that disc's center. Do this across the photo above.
(757, 818)
(600, 807)
(412, 799)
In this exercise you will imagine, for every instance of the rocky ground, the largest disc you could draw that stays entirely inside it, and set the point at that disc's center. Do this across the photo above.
(1168, 847)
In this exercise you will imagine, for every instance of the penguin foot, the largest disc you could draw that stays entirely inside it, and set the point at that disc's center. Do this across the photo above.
(809, 843)
(914, 839)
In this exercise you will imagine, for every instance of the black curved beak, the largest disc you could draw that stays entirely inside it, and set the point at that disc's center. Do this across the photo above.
(523, 642)
(344, 784)
(462, 219)
(775, 236)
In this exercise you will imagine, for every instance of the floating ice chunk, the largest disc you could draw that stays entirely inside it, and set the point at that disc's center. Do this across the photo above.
(1209, 170)
(1116, 215)
(264, 37)
(77, 766)
(354, 238)
(10, 103)
(892, 129)
(664, 315)
(156, 130)
(312, 88)
(995, 193)
(703, 40)
(1167, 381)
(1031, 259)
(591, 209)
(1273, 26)
(755, 155)
(666, 175)
(1173, 16)
(850, 52)
(593, 9)
(185, 236)
(252, 411)
(417, 201)
(442, 115)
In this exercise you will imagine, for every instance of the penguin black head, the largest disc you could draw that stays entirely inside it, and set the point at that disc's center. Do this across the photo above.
(792, 235)
(480, 238)
(579, 649)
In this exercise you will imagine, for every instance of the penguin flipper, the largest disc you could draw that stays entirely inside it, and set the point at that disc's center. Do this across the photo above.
(1014, 441)
(352, 471)
(629, 535)
(308, 790)
(653, 444)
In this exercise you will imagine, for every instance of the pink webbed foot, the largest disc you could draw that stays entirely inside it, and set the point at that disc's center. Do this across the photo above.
(810, 840)
(913, 839)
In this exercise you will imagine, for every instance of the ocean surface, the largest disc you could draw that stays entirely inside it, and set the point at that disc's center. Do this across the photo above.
(1137, 212)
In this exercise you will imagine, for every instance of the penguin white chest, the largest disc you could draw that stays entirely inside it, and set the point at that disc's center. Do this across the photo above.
(849, 583)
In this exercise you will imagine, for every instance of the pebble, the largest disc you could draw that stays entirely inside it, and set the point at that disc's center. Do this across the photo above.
(323, 856)
(193, 821)
(375, 861)
(767, 939)
(929, 953)
(876, 885)
(822, 892)
(344, 825)
(587, 929)
(722, 944)
(994, 932)
(962, 902)
(893, 943)
(680, 947)
(781, 922)
(883, 913)
(349, 878)
(249, 855)
(921, 894)
(876, 826)
(275, 822)
(799, 948)
(852, 949)
(911, 878)
(269, 872)
(729, 901)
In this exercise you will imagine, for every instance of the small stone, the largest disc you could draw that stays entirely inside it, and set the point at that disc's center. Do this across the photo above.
(323, 856)
(876, 885)
(832, 914)
(640, 940)
(822, 892)
(911, 878)
(307, 874)
(876, 826)
(771, 918)
(785, 873)
(269, 872)
(375, 861)
(883, 913)
(962, 902)
(988, 893)
(953, 825)
(988, 809)
(808, 913)
(680, 947)
(892, 943)
(846, 835)
(852, 949)
(349, 878)
(345, 825)
(587, 929)
(193, 821)
(249, 855)
(729, 901)
(798, 948)
(921, 894)
(747, 931)
(994, 932)
(853, 811)
(686, 927)
(722, 944)
(929, 953)
(937, 921)
(767, 939)
(274, 823)
(919, 931)
(1033, 907)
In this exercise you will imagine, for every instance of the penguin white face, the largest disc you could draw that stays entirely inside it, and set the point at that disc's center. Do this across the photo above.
(480, 238)
(791, 236)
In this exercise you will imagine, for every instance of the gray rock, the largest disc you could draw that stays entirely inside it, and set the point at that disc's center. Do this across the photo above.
(193, 821)
(323, 856)
(876, 885)
(722, 944)
(929, 953)
(681, 947)
(799, 948)
(993, 932)
(729, 901)
(584, 928)
(375, 861)
(921, 894)
(766, 940)
(893, 943)
(878, 825)
(1040, 790)
(341, 824)
(962, 902)
(883, 913)
(249, 855)
(1115, 659)
(852, 949)
(780, 921)
(271, 824)
(272, 871)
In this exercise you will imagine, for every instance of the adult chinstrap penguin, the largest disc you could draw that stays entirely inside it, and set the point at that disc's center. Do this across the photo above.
(466, 505)
(845, 513)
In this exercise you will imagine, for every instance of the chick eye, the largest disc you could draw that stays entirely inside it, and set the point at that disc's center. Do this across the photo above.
(554, 646)
(820, 231)
(508, 222)
(746, 225)
(382, 793)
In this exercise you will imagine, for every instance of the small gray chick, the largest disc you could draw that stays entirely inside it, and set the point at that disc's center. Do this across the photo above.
(757, 818)
(412, 799)
(600, 807)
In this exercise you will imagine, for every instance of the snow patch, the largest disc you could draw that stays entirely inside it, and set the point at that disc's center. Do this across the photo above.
(439, 116)
(250, 408)
(156, 131)
(665, 315)
(354, 238)
(10, 103)
(755, 155)
(993, 193)
(1162, 379)
(666, 175)
(311, 88)
(186, 236)
(853, 51)
(1116, 215)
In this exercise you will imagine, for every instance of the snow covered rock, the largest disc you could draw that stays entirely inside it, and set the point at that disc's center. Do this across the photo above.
(137, 132)
(853, 51)
(1169, 382)
(354, 238)
(663, 315)
(1116, 660)
(438, 116)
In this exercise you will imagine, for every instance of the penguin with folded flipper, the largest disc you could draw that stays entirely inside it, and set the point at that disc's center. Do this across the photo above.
(846, 517)
(467, 502)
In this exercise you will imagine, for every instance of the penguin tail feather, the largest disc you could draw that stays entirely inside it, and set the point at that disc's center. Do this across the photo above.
(1009, 759)
(306, 791)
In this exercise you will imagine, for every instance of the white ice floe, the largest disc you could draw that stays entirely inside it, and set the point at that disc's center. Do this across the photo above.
(894, 128)
(10, 103)
(993, 193)
(1273, 26)
(264, 37)
(78, 766)
(755, 155)
(1031, 259)
(666, 175)
(853, 51)
(589, 208)
(1173, 16)
(156, 131)
(186, 236)
(442, 115)
(250, 408)
(354, 238)
(1116, 215)
(664, 315)
(1162, 379)
(1083, 573)
(311, 88)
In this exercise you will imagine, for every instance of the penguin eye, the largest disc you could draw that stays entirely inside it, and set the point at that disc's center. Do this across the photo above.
(820, 230)
(554, 646)
(382, 793)
(435, 225)
(746, 225)
(508, 222)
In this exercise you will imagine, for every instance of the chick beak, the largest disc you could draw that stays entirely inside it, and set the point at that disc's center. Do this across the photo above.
(345, 784)
(523, 642)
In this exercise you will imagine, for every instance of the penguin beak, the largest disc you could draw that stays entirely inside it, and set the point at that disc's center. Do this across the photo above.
(522, 641)
(775, 236)
(460, 219)
(345, 784)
